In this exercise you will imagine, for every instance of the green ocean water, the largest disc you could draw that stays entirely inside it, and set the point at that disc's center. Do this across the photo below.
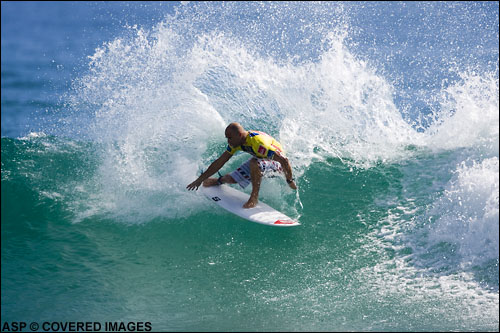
(210, 270)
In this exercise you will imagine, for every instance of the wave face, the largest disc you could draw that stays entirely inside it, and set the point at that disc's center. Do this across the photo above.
(389, 116)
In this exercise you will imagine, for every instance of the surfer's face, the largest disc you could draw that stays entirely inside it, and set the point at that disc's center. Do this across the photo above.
(233, 138)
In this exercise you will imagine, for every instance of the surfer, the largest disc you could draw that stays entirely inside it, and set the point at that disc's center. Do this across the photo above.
(268, 158)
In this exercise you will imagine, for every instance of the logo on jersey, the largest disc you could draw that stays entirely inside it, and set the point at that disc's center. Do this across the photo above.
(262, 150)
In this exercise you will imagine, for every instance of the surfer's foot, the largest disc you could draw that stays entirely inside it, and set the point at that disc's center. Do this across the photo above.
(251, 203)
(210, 182)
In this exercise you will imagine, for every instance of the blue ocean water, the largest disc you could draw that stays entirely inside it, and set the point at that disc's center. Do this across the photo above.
(388, 112)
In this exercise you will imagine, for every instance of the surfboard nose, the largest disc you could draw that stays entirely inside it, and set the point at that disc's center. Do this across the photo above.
(285, 222)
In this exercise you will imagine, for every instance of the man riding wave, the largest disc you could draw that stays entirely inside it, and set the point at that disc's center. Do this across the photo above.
(268, 157)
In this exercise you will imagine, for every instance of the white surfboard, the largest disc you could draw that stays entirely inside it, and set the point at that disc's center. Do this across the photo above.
(233, 200)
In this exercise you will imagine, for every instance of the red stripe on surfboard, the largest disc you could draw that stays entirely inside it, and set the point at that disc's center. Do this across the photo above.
(284, 222)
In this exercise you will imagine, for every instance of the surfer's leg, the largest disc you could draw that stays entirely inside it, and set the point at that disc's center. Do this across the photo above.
(226, 179)
(256, 176)
(210, 182)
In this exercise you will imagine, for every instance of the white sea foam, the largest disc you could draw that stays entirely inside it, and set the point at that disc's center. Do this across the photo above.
(467, 213)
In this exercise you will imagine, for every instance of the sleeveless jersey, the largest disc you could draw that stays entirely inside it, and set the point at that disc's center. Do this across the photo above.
(259, 144)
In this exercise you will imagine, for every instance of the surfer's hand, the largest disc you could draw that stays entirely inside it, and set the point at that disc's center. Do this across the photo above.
(194, 185)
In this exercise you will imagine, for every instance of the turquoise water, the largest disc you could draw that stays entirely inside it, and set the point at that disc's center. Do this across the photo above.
(391, 128)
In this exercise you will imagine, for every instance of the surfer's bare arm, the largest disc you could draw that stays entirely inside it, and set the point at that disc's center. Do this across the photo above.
(286, 168)
(213, 168)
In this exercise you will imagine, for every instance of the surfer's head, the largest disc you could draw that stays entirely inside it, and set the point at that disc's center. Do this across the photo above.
(235, 134)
